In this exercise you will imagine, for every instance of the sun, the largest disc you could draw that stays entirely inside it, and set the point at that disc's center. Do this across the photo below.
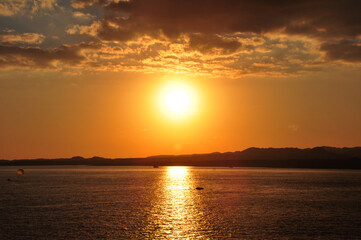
(177, 100)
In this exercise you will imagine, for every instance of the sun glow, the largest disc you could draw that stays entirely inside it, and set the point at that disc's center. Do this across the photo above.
(177, 100)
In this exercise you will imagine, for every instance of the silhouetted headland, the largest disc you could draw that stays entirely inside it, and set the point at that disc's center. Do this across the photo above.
(318, 157)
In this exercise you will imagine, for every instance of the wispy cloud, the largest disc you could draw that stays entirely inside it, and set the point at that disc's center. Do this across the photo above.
(24, 38)
(11, 56)
(13, 7)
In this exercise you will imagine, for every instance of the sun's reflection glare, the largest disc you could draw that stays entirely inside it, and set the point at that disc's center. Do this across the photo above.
(177, 180)
(175, 215)
(177, 172)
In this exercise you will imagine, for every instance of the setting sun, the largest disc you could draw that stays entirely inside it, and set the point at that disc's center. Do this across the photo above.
(177, 100)
(170, 119)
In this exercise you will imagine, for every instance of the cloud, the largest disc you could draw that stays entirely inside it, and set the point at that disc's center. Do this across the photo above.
(83, 16)
(13, 7)
(9, 8)
(336, 17)
(79, 4)
(37, 5)
(271, 56)
(230, 37)
(40, 58)
(25, 38)
(91, 30)
(206, 21)
(344, 50)
(209, 43)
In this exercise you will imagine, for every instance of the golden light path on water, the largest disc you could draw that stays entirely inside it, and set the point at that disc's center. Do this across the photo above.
(176, 215)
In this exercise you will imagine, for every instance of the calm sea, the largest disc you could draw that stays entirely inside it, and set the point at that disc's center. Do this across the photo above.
(162, 203)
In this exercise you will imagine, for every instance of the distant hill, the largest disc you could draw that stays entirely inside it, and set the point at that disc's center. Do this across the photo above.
(318, 157)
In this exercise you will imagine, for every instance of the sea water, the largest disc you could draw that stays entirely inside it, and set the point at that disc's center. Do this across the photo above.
(85, 202)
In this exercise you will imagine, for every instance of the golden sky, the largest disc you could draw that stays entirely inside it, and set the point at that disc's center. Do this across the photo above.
(135, 78)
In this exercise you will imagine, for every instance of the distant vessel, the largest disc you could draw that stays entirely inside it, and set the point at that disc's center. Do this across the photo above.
(155, 166)
(199, 188)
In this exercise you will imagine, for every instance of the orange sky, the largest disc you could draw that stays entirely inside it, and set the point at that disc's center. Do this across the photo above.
(83, 78)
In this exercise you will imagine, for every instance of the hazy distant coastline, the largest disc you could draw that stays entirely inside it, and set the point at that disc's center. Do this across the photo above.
(318, 157)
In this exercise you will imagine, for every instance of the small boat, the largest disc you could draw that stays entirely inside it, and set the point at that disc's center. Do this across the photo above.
(199, 188)
(155, 166)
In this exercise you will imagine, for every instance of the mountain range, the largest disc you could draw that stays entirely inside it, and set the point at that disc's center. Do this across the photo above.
(317, 157)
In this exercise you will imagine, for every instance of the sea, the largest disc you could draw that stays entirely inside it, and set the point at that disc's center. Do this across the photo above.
(91, 202)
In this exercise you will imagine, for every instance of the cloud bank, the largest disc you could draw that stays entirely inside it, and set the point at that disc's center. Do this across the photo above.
(205, 36)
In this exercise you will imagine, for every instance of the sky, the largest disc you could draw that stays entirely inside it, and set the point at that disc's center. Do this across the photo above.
(85, 77)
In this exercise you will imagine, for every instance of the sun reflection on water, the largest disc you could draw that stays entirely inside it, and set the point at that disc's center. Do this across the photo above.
(177, 171)
(177, 179)
(175, 215)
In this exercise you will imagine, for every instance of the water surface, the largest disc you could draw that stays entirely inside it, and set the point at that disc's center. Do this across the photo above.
(80, 202)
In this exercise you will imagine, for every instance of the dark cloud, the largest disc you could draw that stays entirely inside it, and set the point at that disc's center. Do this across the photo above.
(333, 17)
(344, 50)
(36, 57)
(109, 33)
(208, 43)
(325, 20)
